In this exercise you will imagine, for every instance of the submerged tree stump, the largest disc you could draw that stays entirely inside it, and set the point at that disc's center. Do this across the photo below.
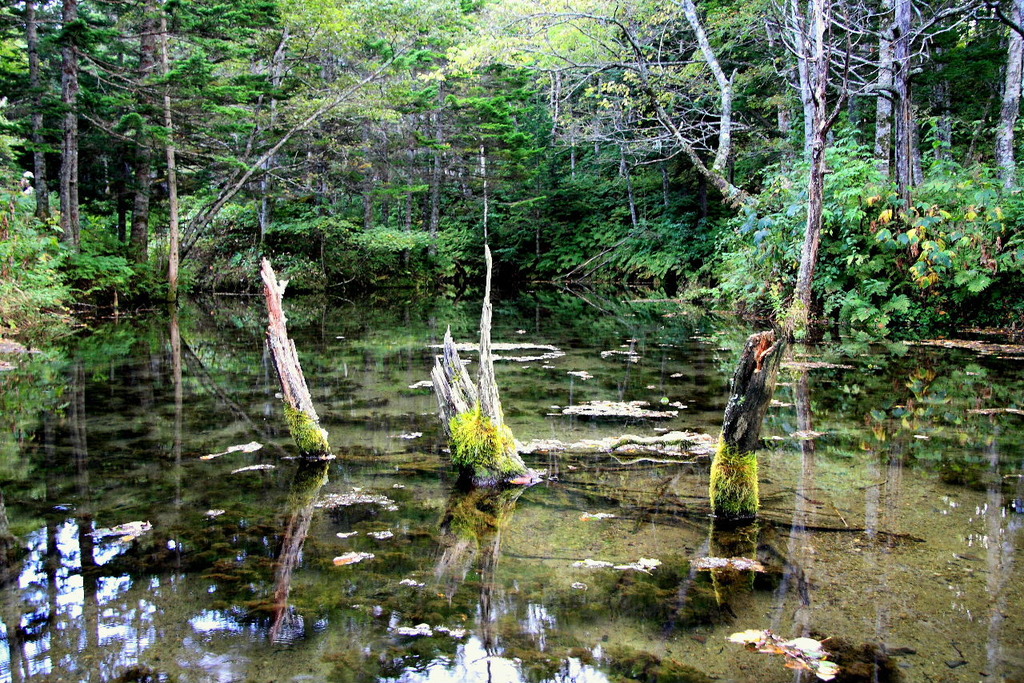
(483, 448)
(303, 422)
(734, 491)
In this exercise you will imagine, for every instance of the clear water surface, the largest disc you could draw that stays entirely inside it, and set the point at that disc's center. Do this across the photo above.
(892, 494)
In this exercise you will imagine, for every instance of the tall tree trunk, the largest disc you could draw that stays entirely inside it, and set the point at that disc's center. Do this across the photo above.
(435, 193)
(665, 184)
(944, 126)
(483, 175)
(42, 192)
(139, 240)
(904, 148)
(139, 237)
(883, 106)
(1010, 109)
(276, 78)
(624, 171)
(70, 221)
(724, 152)
(805, 74)
(172, 172)
(817, 61)
(368, 207)
(121, 189)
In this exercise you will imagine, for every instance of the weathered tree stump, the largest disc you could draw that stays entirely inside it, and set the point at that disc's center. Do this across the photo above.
(734, 491)
(303, 422)
(483, 448)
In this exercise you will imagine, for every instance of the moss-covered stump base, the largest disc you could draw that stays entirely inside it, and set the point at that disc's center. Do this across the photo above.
(309, 436)
(484, 452)
(734, 491)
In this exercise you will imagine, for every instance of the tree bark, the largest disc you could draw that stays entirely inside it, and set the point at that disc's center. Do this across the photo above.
(805, 68)
(70, 221)
(303, 421)
(435, 181)
(624, 171)
(139, 240)
(941, 105)
(904, 147)
(884, 87)
(483, 175)
(733, 488)
(172, 173)
(816, 65)
(724, 151)
(1010, 109)
(276, 78)
(42, 192)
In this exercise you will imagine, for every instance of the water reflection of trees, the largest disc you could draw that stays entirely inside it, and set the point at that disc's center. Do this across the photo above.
(310, 477)
(471, 538)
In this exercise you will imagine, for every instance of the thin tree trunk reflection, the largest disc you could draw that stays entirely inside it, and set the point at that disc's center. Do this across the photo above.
(799, 554)
(1001, 533)
(309, 479)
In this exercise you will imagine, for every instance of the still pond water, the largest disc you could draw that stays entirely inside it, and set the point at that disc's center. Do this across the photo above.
(891, 491)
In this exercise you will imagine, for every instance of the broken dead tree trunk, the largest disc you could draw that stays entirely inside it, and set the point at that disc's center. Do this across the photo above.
(734, 491)
(303, 422)
(483, 448)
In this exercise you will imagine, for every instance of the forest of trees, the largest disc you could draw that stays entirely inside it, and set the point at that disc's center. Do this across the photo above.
(851, 160)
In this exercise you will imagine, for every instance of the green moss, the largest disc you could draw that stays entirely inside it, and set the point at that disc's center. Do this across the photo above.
(484, 448)
(798, 319)
(734, 493)
(637, 665)
(310, 437)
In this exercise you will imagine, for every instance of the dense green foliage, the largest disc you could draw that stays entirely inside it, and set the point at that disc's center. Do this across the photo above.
(362, 144)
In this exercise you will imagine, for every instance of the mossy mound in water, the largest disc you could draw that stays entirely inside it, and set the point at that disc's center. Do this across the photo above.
(863, 663)
(734, 490)
(628, 664)
(482, 449)
(310, 437)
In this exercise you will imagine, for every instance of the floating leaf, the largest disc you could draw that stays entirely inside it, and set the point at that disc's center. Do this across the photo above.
(254, 468)
(748, 637)
(618, 409)
(352, 558)
(250, 447)
(528, 479)
(126, 532)
(592, 564)
(356, 497)
(417, 630)
(586, 516)
(737, 563)
(826, 670)
(802, 654)
(808, 646)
